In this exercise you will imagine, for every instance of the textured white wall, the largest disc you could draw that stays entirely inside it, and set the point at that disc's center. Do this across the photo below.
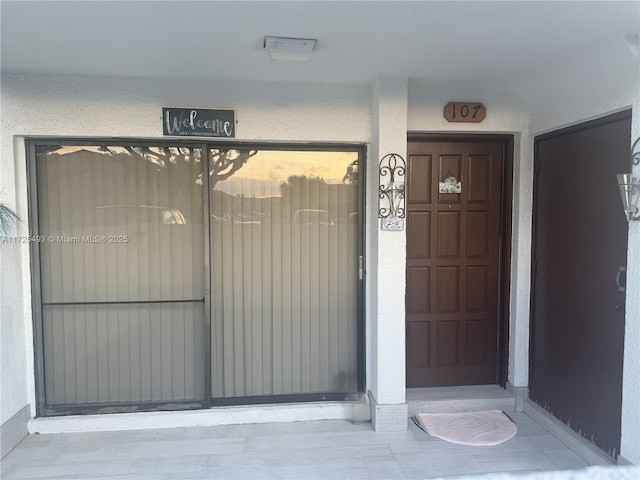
(16, 366)
(630, 441)
(578, 92)
(116, 106)
(506, 113)
(101, 106)
(14, 363)
(389, 102)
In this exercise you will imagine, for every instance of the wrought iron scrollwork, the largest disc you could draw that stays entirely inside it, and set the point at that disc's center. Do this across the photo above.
(392, 171)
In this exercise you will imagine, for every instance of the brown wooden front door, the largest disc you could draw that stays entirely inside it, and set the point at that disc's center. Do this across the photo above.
(577, 309)
(454, 251)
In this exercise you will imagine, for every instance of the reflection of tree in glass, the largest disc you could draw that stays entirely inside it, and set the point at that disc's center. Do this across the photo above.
(173, 167)
(45, 149)
(302, 181)
(351, 177)
(336, 200)
(302, 187)
(303, 192)
(184, 164)
(161, 156)
(170, 176)
(225, 162)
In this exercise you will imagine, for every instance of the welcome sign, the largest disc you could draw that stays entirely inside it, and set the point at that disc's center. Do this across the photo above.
(198, 122)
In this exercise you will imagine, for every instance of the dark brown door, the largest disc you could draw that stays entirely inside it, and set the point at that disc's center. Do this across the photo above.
(453, 260)
(580, 242)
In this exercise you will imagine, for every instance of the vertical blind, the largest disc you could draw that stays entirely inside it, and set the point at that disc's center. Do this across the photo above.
(121, 273)
(284, 272)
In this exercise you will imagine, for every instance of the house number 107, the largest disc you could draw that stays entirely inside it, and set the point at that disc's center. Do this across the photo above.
(465, 112)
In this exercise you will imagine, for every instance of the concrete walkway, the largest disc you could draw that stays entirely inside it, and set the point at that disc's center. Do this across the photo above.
(301, 450)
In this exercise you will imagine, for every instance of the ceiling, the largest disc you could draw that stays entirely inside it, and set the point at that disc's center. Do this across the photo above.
(492, 43)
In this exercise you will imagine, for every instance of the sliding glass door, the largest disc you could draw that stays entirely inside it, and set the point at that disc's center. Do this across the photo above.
(184, 275)
(284, 238)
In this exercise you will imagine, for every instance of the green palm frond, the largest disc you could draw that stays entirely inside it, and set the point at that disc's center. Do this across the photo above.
(8, 219)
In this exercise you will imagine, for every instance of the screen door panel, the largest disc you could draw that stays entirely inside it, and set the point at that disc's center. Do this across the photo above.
(121, 274)
(284, 272)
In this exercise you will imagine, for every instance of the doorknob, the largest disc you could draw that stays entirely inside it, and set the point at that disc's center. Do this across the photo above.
(621, 275)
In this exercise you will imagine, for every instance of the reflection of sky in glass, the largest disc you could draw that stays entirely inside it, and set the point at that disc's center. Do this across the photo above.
(263, 174)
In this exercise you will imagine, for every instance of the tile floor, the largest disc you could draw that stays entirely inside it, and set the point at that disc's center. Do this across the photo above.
(301, 450)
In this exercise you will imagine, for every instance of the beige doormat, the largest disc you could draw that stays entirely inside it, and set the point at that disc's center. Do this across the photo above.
(489, 427)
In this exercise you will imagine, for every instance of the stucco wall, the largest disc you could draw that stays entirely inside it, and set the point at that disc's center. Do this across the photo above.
(578, 92)
(388, 341)
(13, 336)
(16, 367)
(630, 441)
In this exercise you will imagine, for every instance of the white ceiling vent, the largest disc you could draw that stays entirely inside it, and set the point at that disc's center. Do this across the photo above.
(289, 50)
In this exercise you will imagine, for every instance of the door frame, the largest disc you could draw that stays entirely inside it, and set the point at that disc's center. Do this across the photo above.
(506, 209)
(45, 410)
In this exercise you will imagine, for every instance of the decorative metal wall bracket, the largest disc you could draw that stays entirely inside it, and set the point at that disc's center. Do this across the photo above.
(392, 171)
(630, 186)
